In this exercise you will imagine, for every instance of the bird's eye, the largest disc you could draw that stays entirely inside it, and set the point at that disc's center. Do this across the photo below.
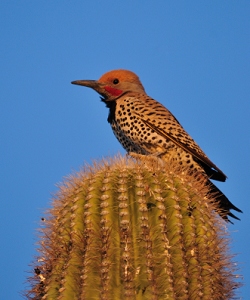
(115, 81)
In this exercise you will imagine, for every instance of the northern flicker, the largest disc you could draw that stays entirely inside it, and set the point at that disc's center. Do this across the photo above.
(144, 126)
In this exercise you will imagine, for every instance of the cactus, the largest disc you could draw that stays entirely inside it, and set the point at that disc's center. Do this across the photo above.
(129, 229)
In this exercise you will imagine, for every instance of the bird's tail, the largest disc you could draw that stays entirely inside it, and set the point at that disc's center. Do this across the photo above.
(224, 205)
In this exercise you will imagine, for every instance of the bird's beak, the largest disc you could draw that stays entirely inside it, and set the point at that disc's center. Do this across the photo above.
(94, 84)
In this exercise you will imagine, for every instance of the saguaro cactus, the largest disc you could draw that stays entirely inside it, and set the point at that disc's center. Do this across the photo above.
(127, 229)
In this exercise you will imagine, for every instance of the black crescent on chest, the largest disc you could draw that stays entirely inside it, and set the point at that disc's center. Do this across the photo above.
(112, 107)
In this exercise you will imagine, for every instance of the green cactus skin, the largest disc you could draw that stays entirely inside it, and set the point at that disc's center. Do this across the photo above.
(127, 229)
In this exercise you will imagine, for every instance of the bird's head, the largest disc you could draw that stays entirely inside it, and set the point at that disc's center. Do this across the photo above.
(114, 84)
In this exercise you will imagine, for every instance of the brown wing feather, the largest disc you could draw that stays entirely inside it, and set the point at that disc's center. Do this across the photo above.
(192, 151)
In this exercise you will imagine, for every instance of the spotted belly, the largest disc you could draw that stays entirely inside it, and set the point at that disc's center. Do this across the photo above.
(145, 141)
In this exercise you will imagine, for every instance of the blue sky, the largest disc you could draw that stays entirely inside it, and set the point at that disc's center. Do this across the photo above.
(192, 56)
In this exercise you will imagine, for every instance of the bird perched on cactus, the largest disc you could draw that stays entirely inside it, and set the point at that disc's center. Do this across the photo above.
(145, 127)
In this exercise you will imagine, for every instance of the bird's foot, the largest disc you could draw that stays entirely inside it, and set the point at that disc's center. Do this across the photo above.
(150, 158)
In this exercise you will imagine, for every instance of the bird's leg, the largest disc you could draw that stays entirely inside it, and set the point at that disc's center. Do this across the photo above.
(152, 158)
(160, 154)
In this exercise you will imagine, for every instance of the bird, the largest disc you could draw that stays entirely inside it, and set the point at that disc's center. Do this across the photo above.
(145, 127)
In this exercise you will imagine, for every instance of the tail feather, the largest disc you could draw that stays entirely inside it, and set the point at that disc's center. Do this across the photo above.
(223, 202)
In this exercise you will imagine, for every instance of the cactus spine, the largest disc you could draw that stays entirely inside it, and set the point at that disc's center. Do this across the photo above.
(126, 229)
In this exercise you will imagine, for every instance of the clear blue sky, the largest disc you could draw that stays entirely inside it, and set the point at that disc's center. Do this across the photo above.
(193, 56)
